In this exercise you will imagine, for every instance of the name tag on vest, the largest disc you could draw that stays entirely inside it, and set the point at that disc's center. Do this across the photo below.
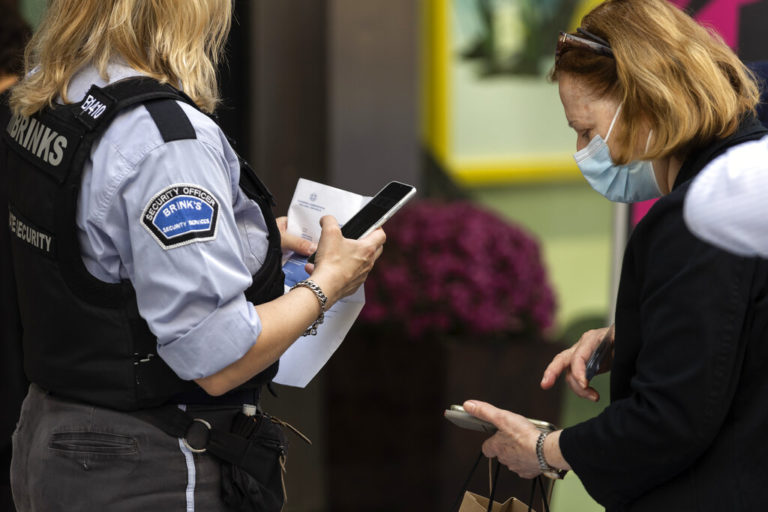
(94, 107)
(30, 234)
(44, 142)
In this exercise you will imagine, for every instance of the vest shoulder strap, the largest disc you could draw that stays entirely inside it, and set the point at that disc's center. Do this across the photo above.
(100, 105)
(92, 116)
(171, 120)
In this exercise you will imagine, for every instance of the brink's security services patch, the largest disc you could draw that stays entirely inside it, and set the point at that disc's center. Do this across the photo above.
(181, 214)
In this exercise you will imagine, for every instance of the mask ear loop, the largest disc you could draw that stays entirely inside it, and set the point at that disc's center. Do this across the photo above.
(613, 122)
(615, 117)
(648, 142)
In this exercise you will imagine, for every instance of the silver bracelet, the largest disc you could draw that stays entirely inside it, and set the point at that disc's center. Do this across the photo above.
(321, 298)
(546, 469)
(543, 465)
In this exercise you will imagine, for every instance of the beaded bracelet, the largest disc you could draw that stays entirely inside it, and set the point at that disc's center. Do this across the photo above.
(321, 298)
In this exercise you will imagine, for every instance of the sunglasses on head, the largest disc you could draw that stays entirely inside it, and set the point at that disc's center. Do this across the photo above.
(590, 42)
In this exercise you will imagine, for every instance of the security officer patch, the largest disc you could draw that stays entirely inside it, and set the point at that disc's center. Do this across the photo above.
(181, 214)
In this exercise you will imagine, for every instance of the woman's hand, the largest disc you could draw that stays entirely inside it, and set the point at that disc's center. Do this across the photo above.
(342, 265)
(515, 442)
(574, 362)
(293, 243)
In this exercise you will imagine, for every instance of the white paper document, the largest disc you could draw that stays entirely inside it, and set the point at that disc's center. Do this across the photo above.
(311, 201)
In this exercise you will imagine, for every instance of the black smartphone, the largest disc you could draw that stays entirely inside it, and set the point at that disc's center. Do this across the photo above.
(598, 356)
(378, 210)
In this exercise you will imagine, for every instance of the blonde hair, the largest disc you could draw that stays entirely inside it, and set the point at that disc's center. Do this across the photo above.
(174, 41)
(672, 75)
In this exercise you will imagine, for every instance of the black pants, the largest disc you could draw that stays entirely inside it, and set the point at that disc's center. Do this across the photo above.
(69, 457)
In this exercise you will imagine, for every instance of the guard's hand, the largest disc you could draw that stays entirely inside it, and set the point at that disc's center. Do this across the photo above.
(289, 242)
(341, 263)
(573, 362)
(515, 442)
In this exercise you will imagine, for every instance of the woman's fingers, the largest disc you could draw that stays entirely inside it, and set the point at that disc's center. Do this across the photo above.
(514, 443)
(579, 364)
(556, 367)
(580, 390)
(573, 364)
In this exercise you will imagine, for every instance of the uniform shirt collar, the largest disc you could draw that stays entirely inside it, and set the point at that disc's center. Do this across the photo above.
(88, 75)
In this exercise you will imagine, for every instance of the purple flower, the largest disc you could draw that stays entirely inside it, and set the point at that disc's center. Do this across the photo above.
(456, 269)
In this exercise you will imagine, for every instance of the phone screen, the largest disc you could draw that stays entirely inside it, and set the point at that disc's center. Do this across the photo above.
(376, 208)
(382, 206)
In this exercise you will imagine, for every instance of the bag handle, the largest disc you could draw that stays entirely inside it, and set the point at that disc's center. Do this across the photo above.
(494, 481)
(496, 468)
(457, 503)
(544, 499)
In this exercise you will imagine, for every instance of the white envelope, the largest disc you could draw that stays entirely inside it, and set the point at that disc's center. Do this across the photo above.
(311, 201)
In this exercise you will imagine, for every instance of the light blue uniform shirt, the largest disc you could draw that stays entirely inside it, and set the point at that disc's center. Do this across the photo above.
(727, 203)
(190, 295)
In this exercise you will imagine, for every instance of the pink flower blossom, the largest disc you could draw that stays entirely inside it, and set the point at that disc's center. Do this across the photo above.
(458, 269)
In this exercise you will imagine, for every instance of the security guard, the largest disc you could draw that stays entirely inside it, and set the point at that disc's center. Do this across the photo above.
(148, 268)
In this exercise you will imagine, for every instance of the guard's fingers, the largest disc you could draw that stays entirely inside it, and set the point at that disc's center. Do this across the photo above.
(328, 223)
(297, 244)
(378, 237)
(379, 251)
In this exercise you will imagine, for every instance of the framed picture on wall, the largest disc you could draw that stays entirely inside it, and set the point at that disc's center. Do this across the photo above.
(493, 115)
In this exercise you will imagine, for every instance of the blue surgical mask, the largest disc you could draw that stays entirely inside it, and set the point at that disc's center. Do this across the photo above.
(628, 183)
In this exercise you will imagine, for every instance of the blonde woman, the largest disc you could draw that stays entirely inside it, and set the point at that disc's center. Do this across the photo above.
(147, 260)
(653, 98)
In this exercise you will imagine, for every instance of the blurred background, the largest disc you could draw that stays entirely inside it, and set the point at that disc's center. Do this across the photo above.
(504, 260)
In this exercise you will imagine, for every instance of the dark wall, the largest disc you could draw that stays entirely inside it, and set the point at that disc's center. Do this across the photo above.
(235, 82)
(325, 90)
(274, 91)
(373, 63)
(288, 111)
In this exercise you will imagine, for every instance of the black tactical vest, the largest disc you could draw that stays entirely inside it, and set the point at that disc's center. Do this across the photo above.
(84, 339)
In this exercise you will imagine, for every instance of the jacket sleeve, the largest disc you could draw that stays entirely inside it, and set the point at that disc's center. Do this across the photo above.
(687, 303)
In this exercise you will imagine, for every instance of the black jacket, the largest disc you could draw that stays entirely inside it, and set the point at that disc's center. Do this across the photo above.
(686, 427)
